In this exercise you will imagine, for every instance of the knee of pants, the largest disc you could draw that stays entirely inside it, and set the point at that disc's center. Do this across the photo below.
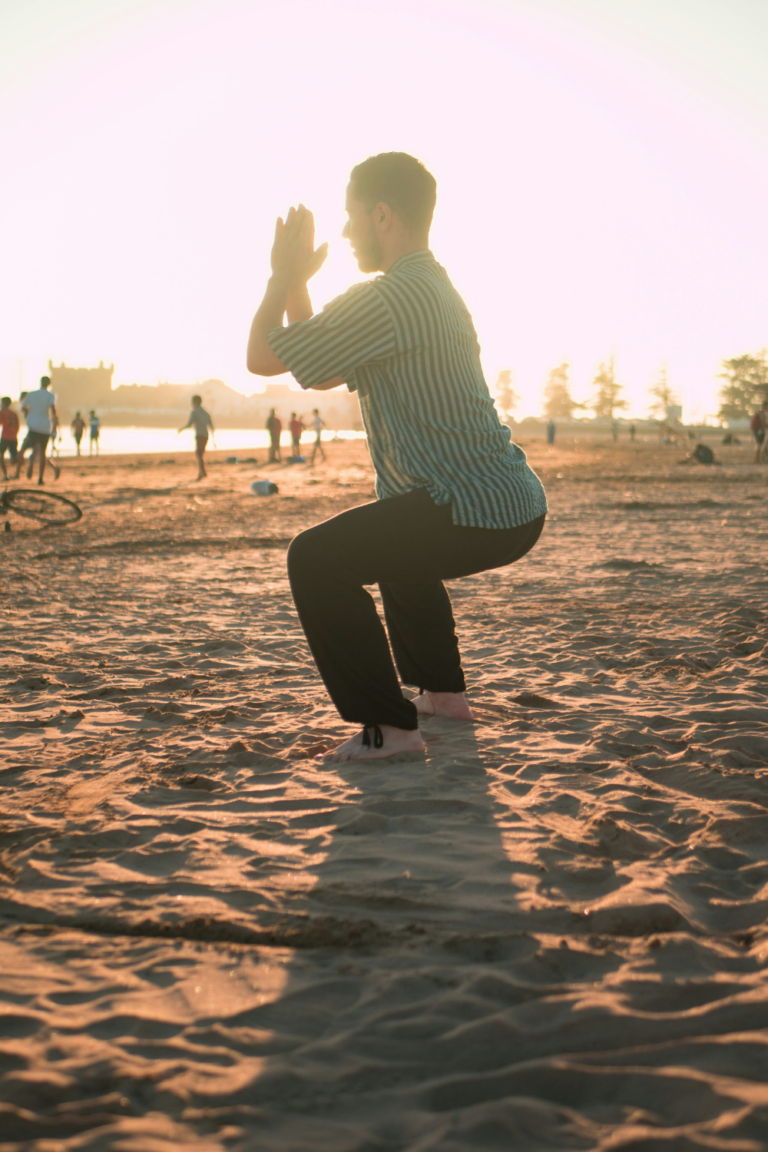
(308, 556)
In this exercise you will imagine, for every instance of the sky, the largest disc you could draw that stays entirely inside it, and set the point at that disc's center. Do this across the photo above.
(602, 170)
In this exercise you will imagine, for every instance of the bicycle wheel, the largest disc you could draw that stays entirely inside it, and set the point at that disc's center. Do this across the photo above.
(45, 506)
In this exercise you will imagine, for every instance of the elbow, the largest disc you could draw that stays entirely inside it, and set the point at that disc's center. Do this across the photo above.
(263, 365)
(253, 364)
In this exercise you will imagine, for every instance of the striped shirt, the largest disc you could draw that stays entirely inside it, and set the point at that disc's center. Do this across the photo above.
(405, 342)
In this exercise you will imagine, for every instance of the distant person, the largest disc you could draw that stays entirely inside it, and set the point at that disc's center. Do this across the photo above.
(274, 427)
(759, 424)
(9, 433)
(55, 437)
(296, 428)
(318, 424)
(201, 421)
(551, 432)
(632, 433)
(78, 427)
(39, 408)
(25, 442)
(94, 428)
(455, 496)
(615, 430)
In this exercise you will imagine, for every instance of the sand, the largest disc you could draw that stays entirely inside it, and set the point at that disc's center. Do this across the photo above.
(551, 935)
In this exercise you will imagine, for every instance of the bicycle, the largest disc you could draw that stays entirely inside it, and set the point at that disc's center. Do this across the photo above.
(47, 507)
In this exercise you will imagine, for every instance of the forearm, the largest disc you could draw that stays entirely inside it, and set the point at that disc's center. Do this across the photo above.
(261, 360)
(299, 306)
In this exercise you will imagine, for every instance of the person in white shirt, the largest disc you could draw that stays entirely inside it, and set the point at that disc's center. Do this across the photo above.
(318, 424)
(200, 420)
(39, 408)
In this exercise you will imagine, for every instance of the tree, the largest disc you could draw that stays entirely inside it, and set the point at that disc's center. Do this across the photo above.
(746, 385)
(661, 393)
(557, 393)
(607, 388)
(506, 397)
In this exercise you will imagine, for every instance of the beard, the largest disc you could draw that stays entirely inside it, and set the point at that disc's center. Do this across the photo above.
(369, 253)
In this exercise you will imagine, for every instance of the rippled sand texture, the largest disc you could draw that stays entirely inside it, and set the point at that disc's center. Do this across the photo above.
(549, 936)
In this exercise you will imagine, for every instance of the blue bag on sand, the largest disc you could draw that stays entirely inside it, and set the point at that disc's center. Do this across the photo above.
(264, 488)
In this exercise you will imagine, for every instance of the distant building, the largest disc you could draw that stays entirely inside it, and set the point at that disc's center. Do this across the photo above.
(167, 405)
(80, 388)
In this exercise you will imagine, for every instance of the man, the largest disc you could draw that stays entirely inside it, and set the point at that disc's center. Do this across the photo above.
(9, 433)
(94, 428)
(39, 408)
(296, 427)
(201, 421)
(318, 424)
(274, 427)
(758, 425)
(78, 427)
(455, 495)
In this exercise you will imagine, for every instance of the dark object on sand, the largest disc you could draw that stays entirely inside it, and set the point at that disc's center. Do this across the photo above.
(296, 460)
(703, 454)
(231, 460)
(533, 700)
(264, 488)
(35, 505)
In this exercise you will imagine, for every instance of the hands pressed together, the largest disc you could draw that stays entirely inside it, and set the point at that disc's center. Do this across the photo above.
(294, 256)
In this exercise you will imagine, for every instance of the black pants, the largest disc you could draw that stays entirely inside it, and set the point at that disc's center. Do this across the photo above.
(407, 545)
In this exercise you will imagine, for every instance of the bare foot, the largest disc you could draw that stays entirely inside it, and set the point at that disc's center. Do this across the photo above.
(451, 704)
(396, 741)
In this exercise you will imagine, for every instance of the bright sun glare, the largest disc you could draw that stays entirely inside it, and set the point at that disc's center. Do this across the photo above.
(602, 176)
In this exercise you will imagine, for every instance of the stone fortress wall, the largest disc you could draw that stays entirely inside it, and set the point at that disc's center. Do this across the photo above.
(168, 405)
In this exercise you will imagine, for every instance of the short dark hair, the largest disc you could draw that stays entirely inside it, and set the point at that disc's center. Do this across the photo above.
(6, 400)
(198, 398)
(45, 381)
(400, 180)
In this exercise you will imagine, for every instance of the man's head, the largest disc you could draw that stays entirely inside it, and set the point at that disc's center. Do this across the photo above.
(92, 412)
(390, 201)
(45, 381)
(5, 402)
(196, 401)
(315, 411)
(293, 415)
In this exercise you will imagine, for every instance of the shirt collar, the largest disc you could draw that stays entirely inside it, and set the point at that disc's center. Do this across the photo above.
(422, 255)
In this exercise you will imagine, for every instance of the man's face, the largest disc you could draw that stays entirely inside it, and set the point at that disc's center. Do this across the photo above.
(360, 232)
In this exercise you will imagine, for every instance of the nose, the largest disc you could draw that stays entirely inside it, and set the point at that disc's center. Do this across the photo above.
(345, 231)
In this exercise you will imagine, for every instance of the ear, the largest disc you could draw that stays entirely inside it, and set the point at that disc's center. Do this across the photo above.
(382, 216)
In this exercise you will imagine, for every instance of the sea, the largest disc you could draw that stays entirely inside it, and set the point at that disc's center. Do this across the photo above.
(116, 441)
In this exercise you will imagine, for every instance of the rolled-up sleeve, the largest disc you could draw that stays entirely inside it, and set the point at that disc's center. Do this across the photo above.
(352, 330)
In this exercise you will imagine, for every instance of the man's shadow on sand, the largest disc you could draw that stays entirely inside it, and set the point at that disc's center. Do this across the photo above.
(421, 849)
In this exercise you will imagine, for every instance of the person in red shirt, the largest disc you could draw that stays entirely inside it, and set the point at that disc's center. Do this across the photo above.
(9, 433)
(297, 427)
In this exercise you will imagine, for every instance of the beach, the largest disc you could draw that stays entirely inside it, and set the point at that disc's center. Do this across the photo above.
(549, 934)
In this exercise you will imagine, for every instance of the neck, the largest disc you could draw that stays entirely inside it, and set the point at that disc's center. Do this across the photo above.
(403, 247)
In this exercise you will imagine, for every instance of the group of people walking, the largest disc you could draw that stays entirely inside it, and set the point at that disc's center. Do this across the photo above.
(295, 426)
